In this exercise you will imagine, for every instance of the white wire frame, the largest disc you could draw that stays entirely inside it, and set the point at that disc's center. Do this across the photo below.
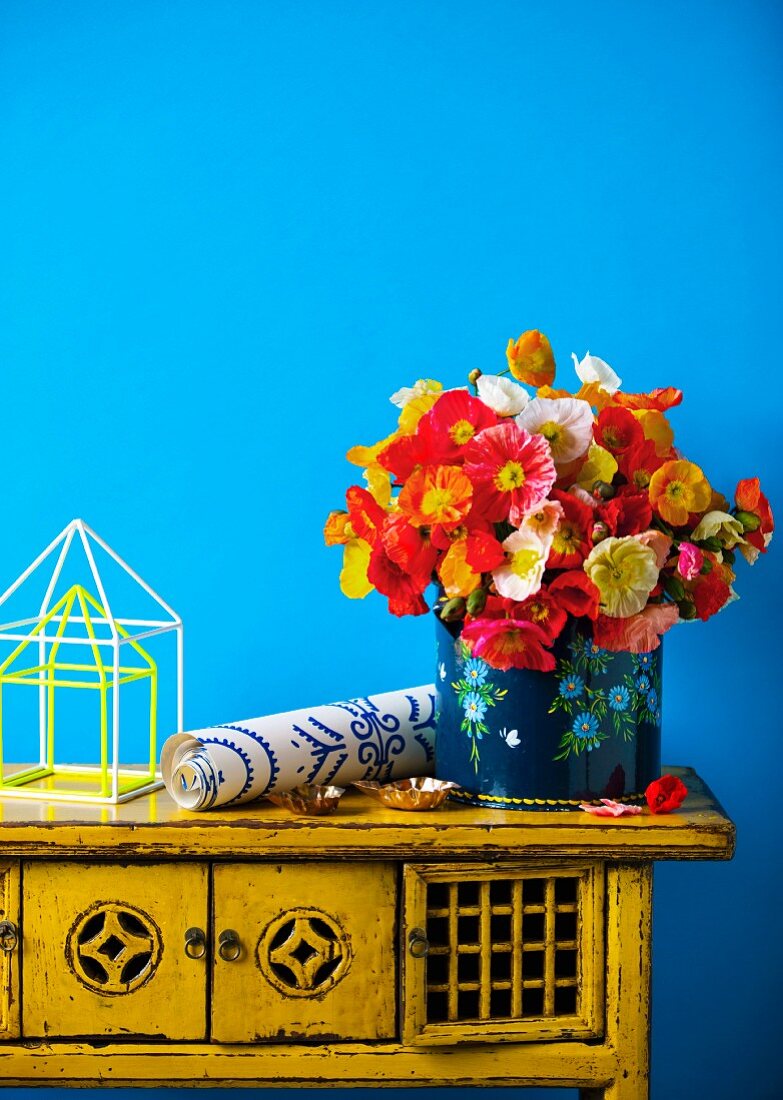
(152, 628)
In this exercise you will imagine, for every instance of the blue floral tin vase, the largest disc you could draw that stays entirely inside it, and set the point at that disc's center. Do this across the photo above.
(527, 740)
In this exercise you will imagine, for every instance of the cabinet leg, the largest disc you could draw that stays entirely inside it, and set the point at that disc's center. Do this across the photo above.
(628, 962)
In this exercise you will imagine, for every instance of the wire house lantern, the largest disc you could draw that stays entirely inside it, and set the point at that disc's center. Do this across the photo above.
(78, 643)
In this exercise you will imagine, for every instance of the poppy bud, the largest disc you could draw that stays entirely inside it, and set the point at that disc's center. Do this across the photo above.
(687, 610)
(476, 601)
(706, 567)
(729, 557)
(600, 531)
(674, 587)
(452, 609)
(474, 376)
(712, 543)
(749, 520)
(602, 490)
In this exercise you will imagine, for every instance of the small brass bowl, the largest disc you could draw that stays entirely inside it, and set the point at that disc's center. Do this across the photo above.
(309, 799)
(420, 793)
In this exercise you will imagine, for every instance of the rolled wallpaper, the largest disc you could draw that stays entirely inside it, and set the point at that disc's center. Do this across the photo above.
(383, 737)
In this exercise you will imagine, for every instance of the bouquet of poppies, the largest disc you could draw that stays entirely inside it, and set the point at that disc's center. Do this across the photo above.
(528, 505)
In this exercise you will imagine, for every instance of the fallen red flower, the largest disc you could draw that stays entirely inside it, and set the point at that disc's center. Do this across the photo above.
(665, 794)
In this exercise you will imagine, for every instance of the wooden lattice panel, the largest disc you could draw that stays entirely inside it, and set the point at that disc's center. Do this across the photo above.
(509, 951)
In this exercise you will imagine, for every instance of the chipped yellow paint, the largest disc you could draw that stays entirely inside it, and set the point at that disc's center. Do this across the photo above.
(321, 913)
(585, 1022)
(316, 953)
(9, 960)
(73, 937)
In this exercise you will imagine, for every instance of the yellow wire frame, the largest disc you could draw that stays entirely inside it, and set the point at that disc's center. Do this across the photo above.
(46, 678)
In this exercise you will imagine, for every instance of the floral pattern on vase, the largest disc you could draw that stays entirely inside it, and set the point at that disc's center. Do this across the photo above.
(524, 739)
(595, 713)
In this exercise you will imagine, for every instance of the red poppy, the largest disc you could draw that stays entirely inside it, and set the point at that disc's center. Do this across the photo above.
(571, 540)
(618, 430)
(627, 513)
(576, 593)
(366, 514)
(710, 594)
(639, 464)
(403, 456)
(749, 498)
(544, 610)
(484, 552)
(660, 399)
(665, 794)
(403, 590)
(509, 643)
(408, 546)
(511, 470)
(451, 423)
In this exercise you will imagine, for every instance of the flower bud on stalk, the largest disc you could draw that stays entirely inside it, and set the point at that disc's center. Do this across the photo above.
(474, 376)
(674, 587)
(712, 543)
(452, 609)
(687, 610)
(706, 567)
(476, 601)
(602, 490)
(600, 531)
(749, 521)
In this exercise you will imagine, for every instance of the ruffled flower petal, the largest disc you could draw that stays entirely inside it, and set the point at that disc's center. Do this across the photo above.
(610, 808)
(565, 423)
(504, 397)
(522, 572)
(593, 369)
(625, 573)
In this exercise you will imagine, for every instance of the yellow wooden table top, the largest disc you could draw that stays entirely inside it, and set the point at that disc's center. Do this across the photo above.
(153, 826)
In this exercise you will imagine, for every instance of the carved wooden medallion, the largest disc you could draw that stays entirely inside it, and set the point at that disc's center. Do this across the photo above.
(304, 952)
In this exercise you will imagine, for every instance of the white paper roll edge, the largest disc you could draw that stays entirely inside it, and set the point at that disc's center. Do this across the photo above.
(380, 737)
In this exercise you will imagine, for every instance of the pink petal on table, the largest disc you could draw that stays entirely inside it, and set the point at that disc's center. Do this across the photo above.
(610, 808)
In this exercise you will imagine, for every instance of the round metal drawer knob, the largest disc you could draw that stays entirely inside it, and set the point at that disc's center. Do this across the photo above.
(418, 944)
(229, 947)
(9, 936)
(195, 943)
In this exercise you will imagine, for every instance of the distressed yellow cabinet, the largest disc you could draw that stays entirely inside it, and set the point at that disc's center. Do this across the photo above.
(304, 950)
(9, 955)
(103, 950)
(249, 947)
(503, 952)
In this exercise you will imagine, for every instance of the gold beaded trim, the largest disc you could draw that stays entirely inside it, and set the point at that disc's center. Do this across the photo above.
(537, 801)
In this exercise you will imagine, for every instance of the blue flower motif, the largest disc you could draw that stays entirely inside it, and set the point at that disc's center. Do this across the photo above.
(643, 684)
(475, 671)
(571, 687)
(474, 706)
(644, 660)
(619, 697)
(585, 725)
(652, 700)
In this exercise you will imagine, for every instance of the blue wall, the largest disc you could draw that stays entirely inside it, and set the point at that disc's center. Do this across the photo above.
(231, 228)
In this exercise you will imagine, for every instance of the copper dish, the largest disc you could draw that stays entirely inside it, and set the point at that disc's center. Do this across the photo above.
(309, 799)
(420, 793)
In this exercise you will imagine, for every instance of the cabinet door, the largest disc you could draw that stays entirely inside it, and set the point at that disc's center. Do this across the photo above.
(313, 956)
(104, 950)
(10, 952)
(502, 952)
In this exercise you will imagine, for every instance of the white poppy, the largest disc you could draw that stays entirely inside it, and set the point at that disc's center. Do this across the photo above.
(522, 572)
(565, 422)
(593, 369)
(407, 394)
(504, 397)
